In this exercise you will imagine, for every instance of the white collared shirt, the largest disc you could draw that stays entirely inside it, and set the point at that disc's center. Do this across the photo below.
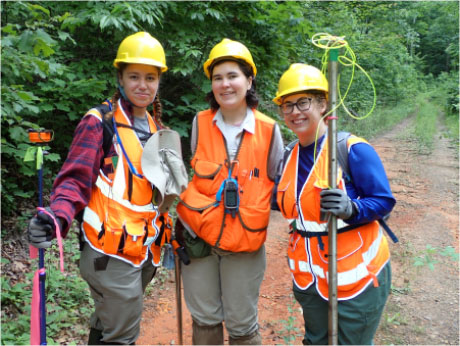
(233, 135)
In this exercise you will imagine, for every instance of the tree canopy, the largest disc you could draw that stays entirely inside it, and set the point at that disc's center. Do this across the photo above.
(57, 59)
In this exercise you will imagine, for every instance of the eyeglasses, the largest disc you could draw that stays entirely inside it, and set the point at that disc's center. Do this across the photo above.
(303, 104)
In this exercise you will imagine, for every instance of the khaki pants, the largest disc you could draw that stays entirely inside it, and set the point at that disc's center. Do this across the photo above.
(225, 287)
(118, 292)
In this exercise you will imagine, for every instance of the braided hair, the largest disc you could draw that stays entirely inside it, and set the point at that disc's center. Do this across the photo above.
(158, 111)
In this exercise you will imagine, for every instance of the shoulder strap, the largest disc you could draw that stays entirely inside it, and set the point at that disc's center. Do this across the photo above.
(288, 149)
(342, 153)
(107, 128)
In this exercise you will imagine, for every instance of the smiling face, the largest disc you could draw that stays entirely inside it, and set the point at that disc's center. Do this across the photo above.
(230, 85)
(305, 123)
(140, 83)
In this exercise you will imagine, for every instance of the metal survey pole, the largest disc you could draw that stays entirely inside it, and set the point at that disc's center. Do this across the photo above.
(332, 179)
(178, 300)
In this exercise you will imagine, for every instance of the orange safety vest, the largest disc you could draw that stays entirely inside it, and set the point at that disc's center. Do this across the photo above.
(198, 208)
(361, 252)
(120, 219)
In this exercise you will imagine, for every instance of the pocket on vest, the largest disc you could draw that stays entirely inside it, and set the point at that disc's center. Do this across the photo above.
(139, 191)
(110, 241)
(255, 219)
(298, 259)
(206, 176)
(133, 242)
(128, 239)
(254, 192)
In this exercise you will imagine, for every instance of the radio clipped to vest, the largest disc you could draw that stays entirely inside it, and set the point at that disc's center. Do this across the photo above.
(229, 188)
(231, 200)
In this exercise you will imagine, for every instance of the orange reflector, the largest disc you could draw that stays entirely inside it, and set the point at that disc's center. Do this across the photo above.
(40, 136)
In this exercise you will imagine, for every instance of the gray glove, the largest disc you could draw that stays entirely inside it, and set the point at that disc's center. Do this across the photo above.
(42, 230)
(336, 202)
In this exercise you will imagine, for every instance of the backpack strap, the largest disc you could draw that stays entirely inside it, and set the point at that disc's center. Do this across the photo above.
(342, 154)
(107, 128)
(342, 151)
(288, 149)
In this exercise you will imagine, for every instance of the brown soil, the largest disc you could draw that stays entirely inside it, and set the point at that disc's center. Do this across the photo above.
(424, 305)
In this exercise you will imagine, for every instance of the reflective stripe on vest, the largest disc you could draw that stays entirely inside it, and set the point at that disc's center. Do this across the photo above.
(311, 226)
(120, 219)
(198, 207)
(117, 195)
(360, 272)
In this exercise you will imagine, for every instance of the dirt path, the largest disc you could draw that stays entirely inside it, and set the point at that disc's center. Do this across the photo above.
(423, 306)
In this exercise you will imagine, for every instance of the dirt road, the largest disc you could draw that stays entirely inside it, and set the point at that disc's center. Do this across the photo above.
(423, 307)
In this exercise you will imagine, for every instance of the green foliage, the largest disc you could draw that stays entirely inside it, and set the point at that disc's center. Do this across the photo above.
(452, 123)
(15, 329)
(57, 60)
(383, 118)
(290, 332)
(437, 26)
(447, 95)
(14, 295)
(425, 125)
(449, 252)
(395, 319)
(428, 256)
(67, 298)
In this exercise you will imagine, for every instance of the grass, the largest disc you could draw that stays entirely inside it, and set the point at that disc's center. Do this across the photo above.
(426, 109)
(382, 119)
(290, 332)
(425, 124)
(452, 123)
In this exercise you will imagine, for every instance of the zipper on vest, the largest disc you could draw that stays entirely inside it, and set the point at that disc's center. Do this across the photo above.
(229, 164)
(308, 243)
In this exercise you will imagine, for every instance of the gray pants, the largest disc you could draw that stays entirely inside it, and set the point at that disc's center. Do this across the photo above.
(118, 292)
(225, 287)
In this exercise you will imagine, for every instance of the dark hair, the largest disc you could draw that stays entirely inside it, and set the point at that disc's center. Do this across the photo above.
(320, 96)
(252, 99)
(157, 108)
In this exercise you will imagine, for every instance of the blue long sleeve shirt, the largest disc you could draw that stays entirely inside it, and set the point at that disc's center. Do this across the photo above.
(368, 188)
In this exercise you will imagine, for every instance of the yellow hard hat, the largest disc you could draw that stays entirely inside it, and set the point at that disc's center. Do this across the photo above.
(228, 49)
(141, 48)
(300, 77)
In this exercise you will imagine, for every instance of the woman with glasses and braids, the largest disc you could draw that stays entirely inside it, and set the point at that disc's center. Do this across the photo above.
(122, 230)
(362, 197)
